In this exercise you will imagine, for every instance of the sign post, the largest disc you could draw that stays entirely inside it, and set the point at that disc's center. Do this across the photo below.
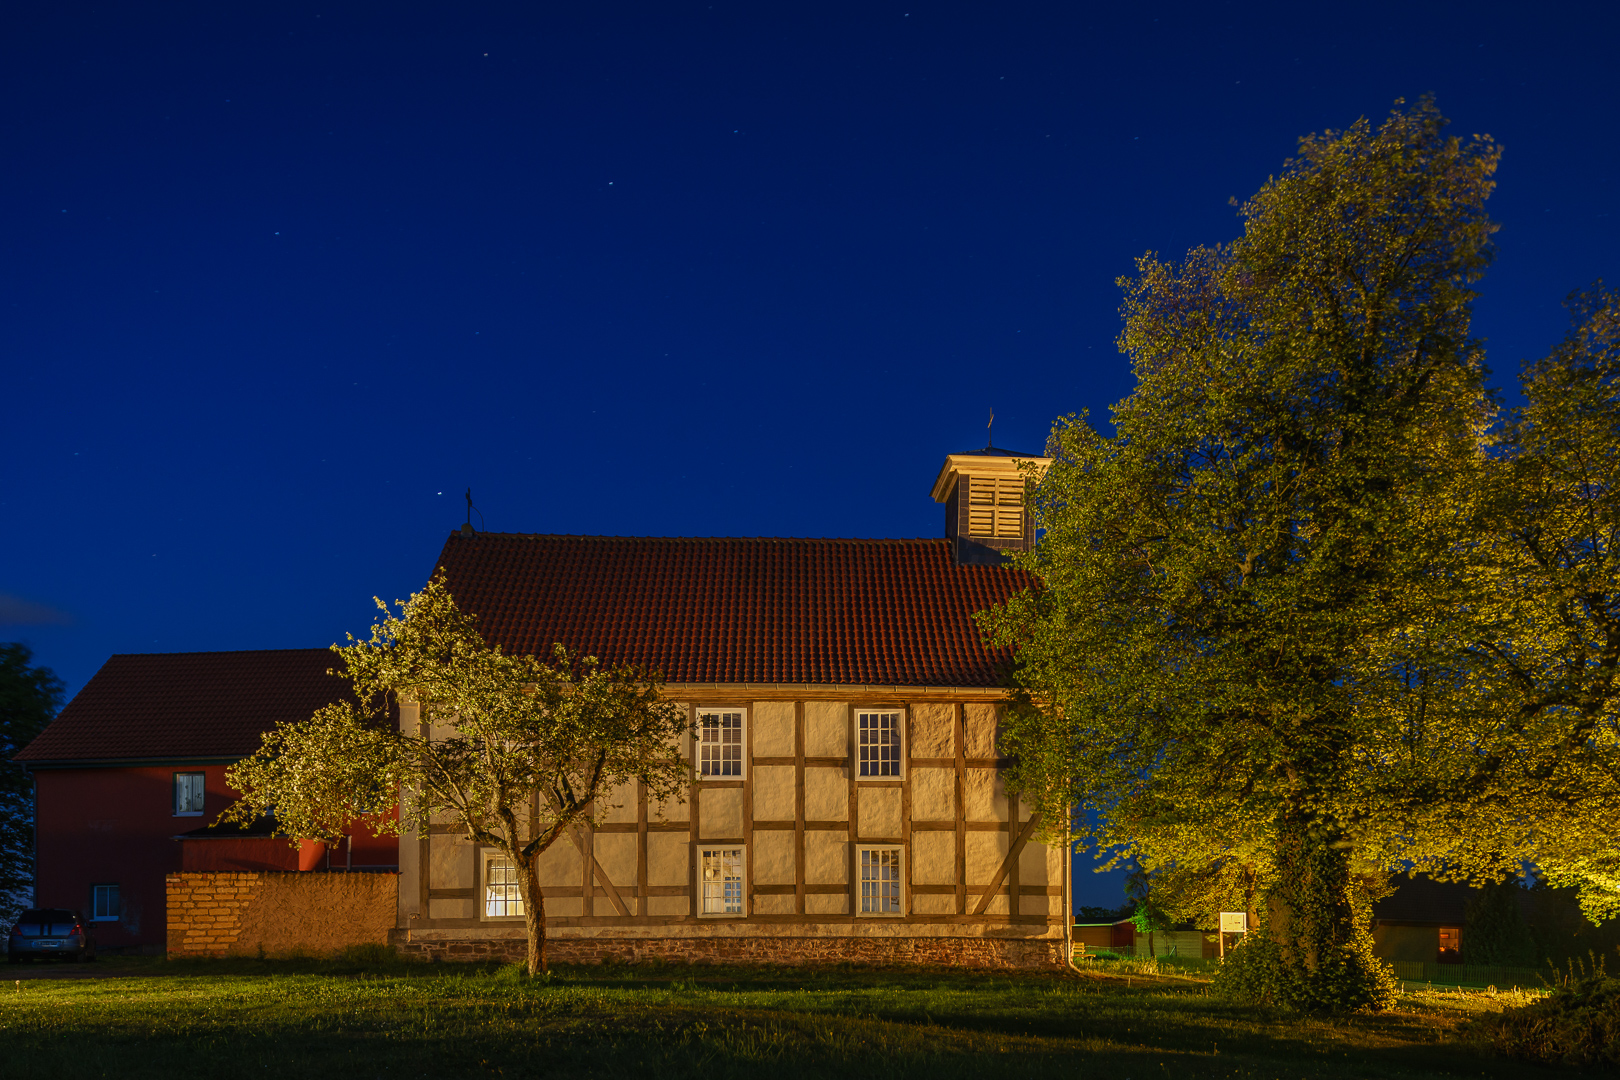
(1232, 922)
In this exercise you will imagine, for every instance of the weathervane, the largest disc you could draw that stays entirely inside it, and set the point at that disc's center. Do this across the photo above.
(990, 429)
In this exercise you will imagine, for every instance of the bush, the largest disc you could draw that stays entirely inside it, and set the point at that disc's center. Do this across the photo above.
(1354, 981)
(1577, 1024)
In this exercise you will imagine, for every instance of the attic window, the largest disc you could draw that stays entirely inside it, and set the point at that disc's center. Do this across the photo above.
(996, 506)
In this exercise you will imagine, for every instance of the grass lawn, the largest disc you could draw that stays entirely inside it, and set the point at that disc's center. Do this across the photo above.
(285, 1019)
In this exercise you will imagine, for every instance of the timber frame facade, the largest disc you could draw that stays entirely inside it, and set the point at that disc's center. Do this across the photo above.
(848, 800)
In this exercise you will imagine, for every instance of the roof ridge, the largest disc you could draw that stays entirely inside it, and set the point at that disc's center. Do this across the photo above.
(227, 652)
(704, 539)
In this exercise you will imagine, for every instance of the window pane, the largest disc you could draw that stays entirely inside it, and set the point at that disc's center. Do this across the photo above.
(722, 883)
(105, 902)
(188, 793)
(880, 881)
(501, 896)
(879, 737)
(720, 743)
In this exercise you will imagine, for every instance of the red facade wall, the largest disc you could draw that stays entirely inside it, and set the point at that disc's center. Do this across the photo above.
(113, 826)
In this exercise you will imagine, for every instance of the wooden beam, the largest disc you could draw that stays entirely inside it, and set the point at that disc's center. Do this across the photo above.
(641, 849)
(798, 807)
(1007, 864)
(959, 733)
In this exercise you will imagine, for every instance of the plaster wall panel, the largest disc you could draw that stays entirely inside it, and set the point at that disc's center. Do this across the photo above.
(933, 904)
(826, 904)
(773, 905)
(826, 794)
(667, 905)
(560, 864)
(1036, 865)
(981, 730)
(672, 809)
(773, 729)
(452, 909)
(1039, 905)
(933, 858)
(933, 794)
(826, 859)
(567, 907)
(620, 804)
(826, 729)
(997, 906)
(452, 864)
(932, 730)
(720, 814)
(668, 859)
(985, 851)
(880, 813)
(773, 858)
(983, 797)
(616, 855)
(774, 792)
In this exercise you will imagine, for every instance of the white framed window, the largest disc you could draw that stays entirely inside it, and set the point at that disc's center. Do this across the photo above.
(720, 878)
(877, 736)
(188, 794)
(720, 743)
(104, 903)
(880, 876)
(502, 900)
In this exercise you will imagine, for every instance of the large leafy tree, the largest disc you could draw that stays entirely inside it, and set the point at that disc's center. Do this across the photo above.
(1227, 578)
(29, 698)
(515, 750)
(1516, 687)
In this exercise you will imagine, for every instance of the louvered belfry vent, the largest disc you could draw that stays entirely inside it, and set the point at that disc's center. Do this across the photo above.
(985, 493)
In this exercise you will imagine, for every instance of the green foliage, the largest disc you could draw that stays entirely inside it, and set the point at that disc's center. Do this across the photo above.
(1348, 979)
(514, 750)
(1237, 583)
(29, 698)
(1578, 1024)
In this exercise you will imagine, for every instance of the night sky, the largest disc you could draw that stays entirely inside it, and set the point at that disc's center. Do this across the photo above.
(281, 281)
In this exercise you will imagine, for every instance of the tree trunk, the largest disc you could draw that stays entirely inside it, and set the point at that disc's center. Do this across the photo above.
(534, 913)
(1325, 961)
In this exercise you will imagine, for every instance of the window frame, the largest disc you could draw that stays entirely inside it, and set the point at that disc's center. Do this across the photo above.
(741, 850)
(487, 856)
(698, 712)
(95, 895)
(902, 729)
(900, 882)
(175, 793)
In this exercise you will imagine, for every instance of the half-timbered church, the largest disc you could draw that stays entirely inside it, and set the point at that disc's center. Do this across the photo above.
(848, 800)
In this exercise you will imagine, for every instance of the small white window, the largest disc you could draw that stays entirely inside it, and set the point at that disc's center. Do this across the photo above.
(879, 735)
(880, 881)
(501, 896)
(188, 794)
(103, 903)
(721, 878)
(720, 743)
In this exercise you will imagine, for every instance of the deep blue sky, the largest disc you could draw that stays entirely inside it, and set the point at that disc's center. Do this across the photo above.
(280, 281)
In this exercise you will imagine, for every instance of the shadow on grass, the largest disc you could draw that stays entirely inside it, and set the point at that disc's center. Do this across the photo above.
(357, 1017)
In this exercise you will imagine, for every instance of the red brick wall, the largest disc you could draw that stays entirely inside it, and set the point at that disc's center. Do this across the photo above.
(113, 826)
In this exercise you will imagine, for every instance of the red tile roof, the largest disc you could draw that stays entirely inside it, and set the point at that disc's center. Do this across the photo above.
(851, 612)
(187, 705)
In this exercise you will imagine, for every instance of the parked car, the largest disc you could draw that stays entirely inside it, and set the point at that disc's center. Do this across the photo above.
(50, 932)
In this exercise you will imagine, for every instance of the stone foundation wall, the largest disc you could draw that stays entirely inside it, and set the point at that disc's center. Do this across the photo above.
(276, 914)
(972, 952)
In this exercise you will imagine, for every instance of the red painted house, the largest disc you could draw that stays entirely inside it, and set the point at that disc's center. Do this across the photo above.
(138, 758)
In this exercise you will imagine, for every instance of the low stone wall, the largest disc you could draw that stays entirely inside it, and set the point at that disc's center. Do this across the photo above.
(277, 914)
(971, 952)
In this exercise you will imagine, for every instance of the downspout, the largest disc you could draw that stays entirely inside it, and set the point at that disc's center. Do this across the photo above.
(1068, 893)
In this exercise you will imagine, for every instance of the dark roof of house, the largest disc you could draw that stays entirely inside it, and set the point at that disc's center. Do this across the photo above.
(148, 706)
(719, 610)
(993, 451)
(1425, 900)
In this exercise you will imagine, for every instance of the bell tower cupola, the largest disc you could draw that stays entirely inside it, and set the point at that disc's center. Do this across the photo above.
(984, 492)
